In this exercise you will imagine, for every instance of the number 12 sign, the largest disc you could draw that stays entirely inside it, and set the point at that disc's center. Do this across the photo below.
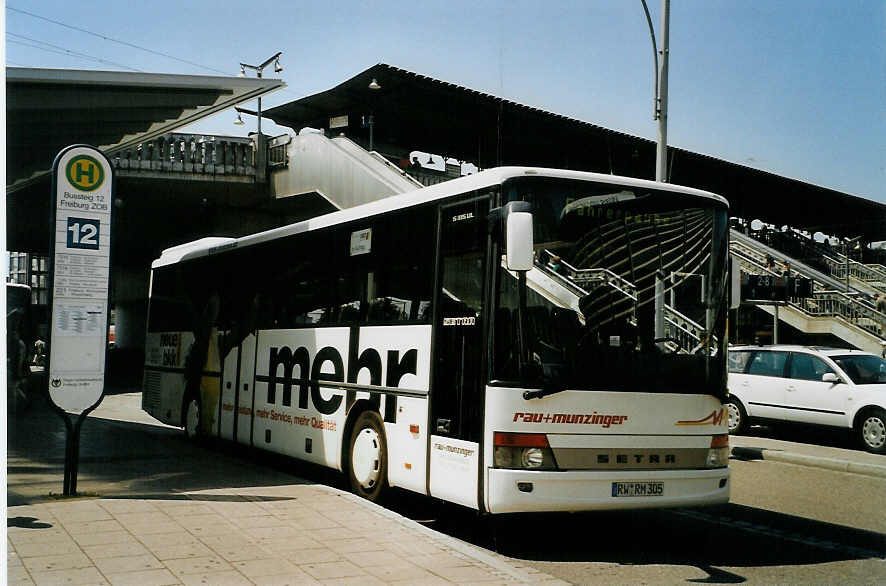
(80, 263)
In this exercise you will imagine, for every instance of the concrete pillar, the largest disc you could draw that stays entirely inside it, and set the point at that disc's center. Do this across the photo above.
(131, 306)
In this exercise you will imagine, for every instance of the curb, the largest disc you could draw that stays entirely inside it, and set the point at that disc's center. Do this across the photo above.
(495, 561)
(743, 453)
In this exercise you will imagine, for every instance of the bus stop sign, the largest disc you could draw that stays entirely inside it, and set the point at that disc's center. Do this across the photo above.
(80, 269)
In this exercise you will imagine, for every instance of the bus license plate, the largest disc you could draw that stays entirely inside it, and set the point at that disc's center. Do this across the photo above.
(637, 489)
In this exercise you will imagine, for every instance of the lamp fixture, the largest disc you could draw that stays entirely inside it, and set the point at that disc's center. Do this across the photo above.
(373, 85)
(239, 120)
(242, 71)
(277, 67)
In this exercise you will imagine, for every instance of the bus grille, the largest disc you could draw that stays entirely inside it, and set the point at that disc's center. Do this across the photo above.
(151, 391)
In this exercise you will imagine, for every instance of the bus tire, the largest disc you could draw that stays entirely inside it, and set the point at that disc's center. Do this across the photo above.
(737, 421)
(870, 428)
(368, 457)
(191, 411)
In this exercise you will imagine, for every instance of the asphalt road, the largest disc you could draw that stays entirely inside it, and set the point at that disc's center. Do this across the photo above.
(785, 524)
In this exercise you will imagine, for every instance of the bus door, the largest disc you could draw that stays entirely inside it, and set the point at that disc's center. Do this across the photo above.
(246, 390)
(238, 378)
(228, 402)
(456, 394)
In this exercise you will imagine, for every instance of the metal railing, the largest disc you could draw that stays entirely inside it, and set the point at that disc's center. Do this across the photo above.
(824, 302)
(874, 275)
(189, 153)
(685, 333)
(837, 304)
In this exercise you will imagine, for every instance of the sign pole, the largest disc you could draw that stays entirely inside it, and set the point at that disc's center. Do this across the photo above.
(80, 267)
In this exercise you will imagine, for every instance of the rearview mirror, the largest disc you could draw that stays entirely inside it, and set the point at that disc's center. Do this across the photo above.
(519, 244)
(830, 377)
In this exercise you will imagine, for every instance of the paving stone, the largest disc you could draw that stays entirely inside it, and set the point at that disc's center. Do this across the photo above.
(180, 537)
(467, 574)
(128, 563)
(330, 570)
(228, 578)
(399, 572)
(104, 538)
(18, 536)
(117, 506)
(354, 581)
(161, 577)
(298, 578)
(50, 563)
(314, 556)
(258, 568)
(240, 552)
(79, 577)
(367, 559)
(28, 550)
(200, 565)
(18, 575)
(113, 550)
(180, 550)
(84, 527)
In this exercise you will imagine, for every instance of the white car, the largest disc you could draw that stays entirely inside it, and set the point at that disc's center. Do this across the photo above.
(823, 386)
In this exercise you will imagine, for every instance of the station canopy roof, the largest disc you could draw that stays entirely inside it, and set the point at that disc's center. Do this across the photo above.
(415, 112)
(49, 109)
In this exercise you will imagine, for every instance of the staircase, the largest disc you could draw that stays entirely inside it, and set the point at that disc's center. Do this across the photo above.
(850, 316)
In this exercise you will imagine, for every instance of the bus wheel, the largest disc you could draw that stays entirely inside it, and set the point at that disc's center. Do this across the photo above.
(367, 460)
(871, 430)
(738, 417)
(191, 417)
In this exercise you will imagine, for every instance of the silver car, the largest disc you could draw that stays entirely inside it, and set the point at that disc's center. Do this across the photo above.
(812, 385)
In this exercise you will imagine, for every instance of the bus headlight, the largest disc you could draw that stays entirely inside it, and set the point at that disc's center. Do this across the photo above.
(718, 454)
(522, 451)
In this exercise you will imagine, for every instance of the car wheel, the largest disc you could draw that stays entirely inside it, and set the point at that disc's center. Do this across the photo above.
(367, 457)
(191, 417)
(738, 417)
(871, 430)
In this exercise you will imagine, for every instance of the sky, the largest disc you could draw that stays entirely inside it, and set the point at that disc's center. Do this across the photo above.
(794, 87)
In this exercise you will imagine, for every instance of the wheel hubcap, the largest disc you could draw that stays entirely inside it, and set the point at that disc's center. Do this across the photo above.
(734, 416)
(874, 432)
(366, 457)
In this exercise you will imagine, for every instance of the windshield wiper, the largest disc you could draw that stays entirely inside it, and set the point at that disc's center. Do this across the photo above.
(543, 392)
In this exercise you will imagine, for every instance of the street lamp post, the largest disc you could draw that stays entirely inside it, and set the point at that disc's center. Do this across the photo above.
(661, 87)
(260, 165)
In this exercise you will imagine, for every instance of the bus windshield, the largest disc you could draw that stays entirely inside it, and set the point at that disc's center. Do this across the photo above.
(628, 291)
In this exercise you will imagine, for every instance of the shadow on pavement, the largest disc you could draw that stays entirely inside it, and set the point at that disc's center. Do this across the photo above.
(119, 458)
(729, 535)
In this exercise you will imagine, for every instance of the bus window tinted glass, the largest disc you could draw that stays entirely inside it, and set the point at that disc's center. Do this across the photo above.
(602, 252)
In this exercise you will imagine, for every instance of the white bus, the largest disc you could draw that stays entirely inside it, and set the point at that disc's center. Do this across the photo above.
(508, 341)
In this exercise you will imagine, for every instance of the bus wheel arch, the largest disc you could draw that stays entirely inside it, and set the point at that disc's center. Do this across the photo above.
(366, 459)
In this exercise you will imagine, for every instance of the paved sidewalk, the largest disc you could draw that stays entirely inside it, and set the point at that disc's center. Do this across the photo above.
(297, 534)
(160, 510)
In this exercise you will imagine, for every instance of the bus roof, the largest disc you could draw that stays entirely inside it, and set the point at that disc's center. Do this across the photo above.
(483, 179)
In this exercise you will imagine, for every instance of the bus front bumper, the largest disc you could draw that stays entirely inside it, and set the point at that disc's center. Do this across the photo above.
(522, 491)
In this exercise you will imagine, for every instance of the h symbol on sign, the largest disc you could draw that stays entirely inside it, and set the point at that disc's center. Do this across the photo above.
(83, 169)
